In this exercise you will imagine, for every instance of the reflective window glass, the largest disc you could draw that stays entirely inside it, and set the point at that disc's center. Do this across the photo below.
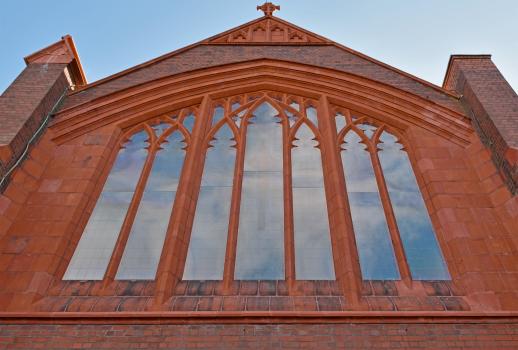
(377, 260)
(260, 248)
(415, 228)
(219, 113)
(340, 122)
(146, 239)
(206, 254)
(311, 113)
(313, 255)
(95, 247)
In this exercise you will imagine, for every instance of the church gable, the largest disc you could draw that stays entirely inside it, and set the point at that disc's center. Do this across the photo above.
(267, 37)
(268, 30)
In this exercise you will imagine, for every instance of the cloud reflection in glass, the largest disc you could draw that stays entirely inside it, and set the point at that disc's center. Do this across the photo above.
(260, 248)
(377, 260)
(206, 254)
(313, 255)
(146, 239)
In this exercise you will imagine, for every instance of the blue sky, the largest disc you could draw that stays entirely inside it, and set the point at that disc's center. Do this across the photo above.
(416, 36)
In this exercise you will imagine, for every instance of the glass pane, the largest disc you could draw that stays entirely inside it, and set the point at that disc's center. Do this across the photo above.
(206, 255)
(219, 113)
(188, 122)
(340, 122)
(377, 260)
(313, 255)
(292, 118)
(146, 239)
(311, 114)
(95, 247)
(260, 248)
(367, 129)
(421, 247)
(160, 127)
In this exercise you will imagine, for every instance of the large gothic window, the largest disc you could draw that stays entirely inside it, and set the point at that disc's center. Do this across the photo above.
(135, 205)
(261, 210)
(255, 202)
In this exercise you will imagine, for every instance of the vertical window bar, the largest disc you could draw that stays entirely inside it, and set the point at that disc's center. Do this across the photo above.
(231, 249)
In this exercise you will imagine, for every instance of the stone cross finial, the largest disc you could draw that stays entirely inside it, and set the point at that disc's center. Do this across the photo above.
(268, 8)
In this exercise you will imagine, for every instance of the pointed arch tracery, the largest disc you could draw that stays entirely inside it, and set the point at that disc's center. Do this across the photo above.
(292, 237)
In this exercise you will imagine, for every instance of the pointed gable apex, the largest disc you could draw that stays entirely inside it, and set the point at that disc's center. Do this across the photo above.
(268, 30)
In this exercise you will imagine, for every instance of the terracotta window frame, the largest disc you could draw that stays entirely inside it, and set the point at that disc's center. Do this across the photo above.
(345, 255)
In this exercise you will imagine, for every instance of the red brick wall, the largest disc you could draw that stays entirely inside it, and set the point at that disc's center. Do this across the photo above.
(260, 336)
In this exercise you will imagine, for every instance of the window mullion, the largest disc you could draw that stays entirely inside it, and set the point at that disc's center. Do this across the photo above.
(289, 238)
(130, 215)
(345, 254)
(176, 243)
(404, 270)
(233, 222)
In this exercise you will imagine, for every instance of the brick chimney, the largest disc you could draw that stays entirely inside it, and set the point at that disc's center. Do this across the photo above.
(493, 107)
(25, 104)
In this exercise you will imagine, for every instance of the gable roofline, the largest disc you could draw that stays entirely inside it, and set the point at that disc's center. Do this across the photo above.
(252, 22)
